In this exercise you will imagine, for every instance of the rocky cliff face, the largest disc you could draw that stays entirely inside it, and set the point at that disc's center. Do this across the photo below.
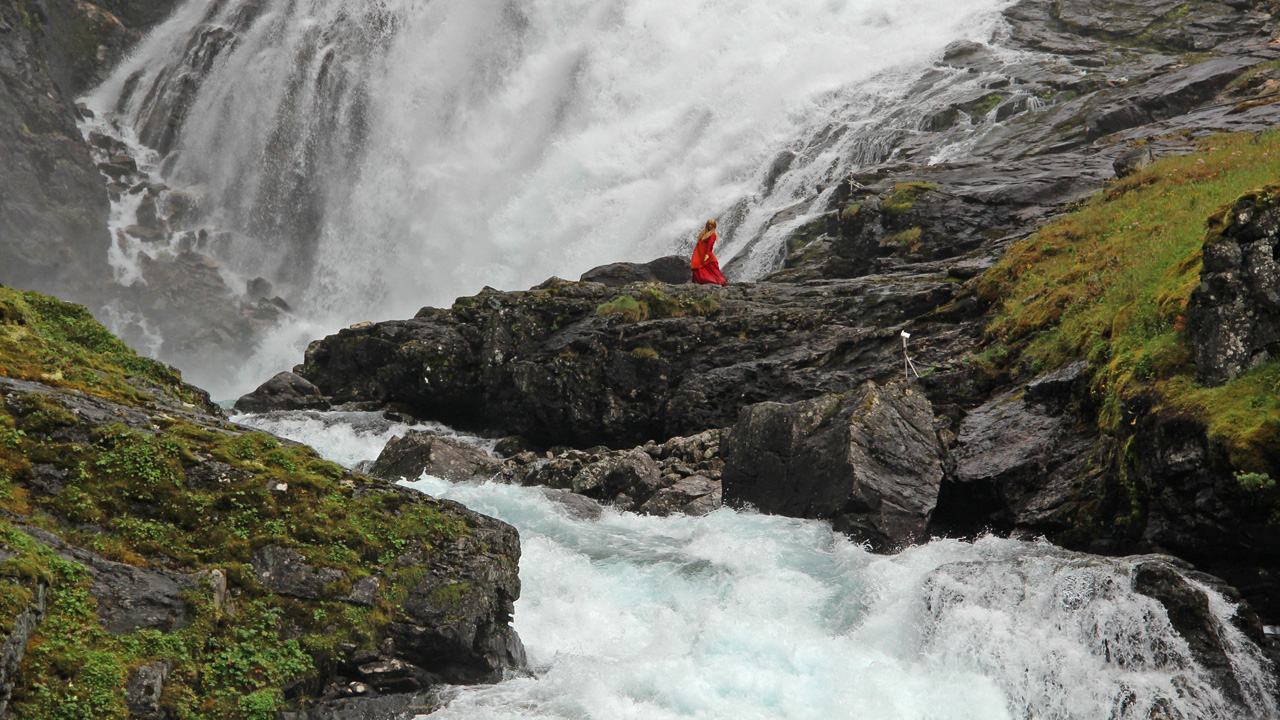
(53, 200)
(53, 203)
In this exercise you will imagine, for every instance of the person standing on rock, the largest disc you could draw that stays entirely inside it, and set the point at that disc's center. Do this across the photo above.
(706, 268)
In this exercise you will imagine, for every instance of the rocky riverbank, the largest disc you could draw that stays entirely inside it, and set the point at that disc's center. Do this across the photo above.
(159, 561)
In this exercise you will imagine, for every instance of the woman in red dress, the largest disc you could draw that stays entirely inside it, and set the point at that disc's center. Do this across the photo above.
(706, 268)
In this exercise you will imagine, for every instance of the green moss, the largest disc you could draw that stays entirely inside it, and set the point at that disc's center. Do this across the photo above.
(646, 353)
(905, 196)
(628, 307)
(906, 241)
(133, 486)
(449, 594)
(983, 105)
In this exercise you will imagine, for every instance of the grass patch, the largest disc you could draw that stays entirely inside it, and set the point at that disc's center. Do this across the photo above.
(1111, 281)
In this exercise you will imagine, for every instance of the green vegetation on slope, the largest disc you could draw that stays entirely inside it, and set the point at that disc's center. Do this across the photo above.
(60, 344)
(1111, 281)
(131, 496)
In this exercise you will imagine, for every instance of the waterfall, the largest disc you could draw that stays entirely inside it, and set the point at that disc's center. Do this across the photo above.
(369, 157)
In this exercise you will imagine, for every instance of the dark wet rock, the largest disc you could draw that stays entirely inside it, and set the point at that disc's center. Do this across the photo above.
(456, 625)
(142, 694)
(1166, 580)
(681, 475)
(632, 473)
(128, 598)
(390, 707)
(443, 457)
(1235, 313)
(1018, 463)
(1167, 96)
(258, 288)
(694, 495)
(579, 506)
(47, 479)
(870, 462)
(512, 445)
(1059, 387)
(287, 572)
(547, 365)
(210, 473)
(364, 591)
(1133, 160)
(672, 269)
(284, 391)
(14, 645)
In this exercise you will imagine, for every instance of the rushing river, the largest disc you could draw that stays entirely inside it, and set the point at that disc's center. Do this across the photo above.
(742, 616)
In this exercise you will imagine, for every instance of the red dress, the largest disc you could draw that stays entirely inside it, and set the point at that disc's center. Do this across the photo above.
(706, 268)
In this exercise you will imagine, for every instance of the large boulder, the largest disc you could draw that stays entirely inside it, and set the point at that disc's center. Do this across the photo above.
(284, 391)
(443, 457)
(870, 462)
(672, 269)
(1018, 463)
(457, 624)
(1235, 313)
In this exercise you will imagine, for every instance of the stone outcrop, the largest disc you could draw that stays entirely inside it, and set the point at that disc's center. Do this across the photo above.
(1019, 462)
(286, 572)
(420, 452)
(673, 269)
(284, 391)
(14, 645)
(457, 625)
(1235, 314)
(405, 706)
(870, 462)
(558, 365)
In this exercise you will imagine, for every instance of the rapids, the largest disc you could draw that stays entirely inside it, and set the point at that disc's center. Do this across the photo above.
(739, 615)
(370, 157)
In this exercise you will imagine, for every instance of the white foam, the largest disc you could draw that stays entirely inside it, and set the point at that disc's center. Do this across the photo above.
(743, 616)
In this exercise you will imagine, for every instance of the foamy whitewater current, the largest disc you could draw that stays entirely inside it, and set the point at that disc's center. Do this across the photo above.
(742, 616)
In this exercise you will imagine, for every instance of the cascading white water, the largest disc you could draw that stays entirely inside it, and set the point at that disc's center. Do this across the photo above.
(743, 616)
(371, 157)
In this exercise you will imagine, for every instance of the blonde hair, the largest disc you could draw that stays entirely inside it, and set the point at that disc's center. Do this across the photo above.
(707, 229)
